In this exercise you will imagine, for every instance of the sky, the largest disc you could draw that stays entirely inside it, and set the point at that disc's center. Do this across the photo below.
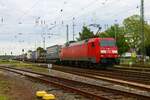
(25, 23)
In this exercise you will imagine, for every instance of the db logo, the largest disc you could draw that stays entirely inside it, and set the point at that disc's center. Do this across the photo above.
(108, 51)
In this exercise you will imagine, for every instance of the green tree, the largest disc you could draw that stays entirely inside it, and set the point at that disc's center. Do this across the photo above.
(85, 34)
(147, 43)
(132, 26)
(40, 50)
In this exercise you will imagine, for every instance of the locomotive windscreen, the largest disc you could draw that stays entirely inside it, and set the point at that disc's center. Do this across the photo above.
(107, 43)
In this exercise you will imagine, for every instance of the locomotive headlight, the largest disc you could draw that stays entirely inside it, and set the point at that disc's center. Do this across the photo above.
(114, 51)
(103, 51)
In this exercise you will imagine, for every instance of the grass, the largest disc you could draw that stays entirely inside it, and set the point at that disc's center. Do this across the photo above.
(4, 89)
(15, 63)
(23, 65)
(12, 62)
(4, 97)
(127, 61)
(4, 86)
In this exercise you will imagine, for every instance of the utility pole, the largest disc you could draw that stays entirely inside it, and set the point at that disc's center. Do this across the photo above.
(142, 29)
(116, 26)
(73, 28)
(2, 20)
(43, 42)
(43, 23)
(67, 31)
(23, 55)
(35, 45)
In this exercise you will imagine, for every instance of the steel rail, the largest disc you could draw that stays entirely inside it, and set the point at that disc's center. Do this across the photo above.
(77, 90)
(65, 87)
(106, 78)
(103, 77)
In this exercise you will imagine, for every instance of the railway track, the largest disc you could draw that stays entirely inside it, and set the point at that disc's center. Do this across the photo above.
(141, 65)
(133, 68)
(91, 91)
(128, 75)
(122, 78)
(119, 76)
(115, 73)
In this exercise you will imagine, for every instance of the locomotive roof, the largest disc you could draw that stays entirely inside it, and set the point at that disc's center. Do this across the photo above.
(87, 40)
(107, 38)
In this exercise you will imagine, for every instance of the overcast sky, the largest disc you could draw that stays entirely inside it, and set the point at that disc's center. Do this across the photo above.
(24, 23)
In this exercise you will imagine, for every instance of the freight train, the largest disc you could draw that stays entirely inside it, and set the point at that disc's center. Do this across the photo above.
(93, 51)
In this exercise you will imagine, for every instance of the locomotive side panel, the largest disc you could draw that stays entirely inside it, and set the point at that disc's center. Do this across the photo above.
(74, 53)
(82, 51)
(93, 50)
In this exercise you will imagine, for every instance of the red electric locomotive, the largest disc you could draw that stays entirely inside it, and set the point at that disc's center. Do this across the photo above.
(94, 50)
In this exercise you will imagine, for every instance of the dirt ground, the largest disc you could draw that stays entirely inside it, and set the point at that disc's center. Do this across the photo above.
(17, 87)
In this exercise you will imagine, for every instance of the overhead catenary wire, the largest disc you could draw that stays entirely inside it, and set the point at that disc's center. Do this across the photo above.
(87, 6)
(68, 19)
(77, 12)
(26, 12)
(121, 11)
(81, 10)
(113, 15)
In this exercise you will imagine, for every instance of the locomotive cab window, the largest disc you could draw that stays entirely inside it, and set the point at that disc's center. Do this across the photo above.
(107, 43)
